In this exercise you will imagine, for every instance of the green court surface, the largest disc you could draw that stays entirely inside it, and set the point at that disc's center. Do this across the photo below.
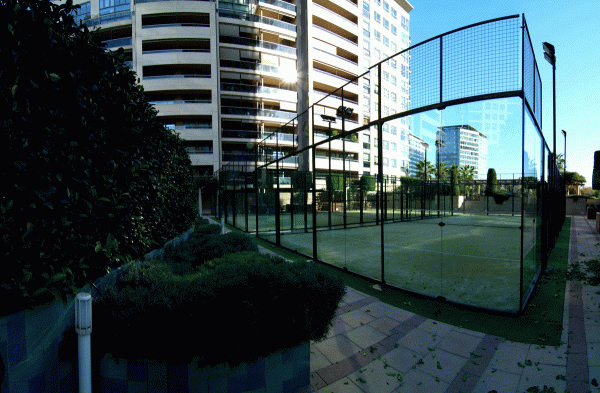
(471, 259)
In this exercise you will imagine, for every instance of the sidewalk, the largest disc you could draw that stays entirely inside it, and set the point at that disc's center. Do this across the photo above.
(375, 347)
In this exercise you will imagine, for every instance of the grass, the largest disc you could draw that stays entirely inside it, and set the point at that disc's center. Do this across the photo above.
(540, 323)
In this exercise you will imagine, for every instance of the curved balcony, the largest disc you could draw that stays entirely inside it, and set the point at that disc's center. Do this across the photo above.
(335, 39)
(118, 42)
(336, 19)
(253, 112)
(152, 1)
(224, 39)
(241, 134)
(224, 13)
(182, 108)
(336, 61)
(273, 92)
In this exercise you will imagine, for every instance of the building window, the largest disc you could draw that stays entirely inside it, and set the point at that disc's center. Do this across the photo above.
(386, 161)
(377, 35)
(394, 146)
(386, 145)
(386, 6)
(377, 17)
(393, 63)
(393, 46)
(386, 111)
(394, 163)
(366, 33)
(393, 131)
(386, 41)
(112, 6)
(377, 54)
(394, 97)
(393, 80)
(386, 24)
(366, 13)
(386, 128)
(386, 93)
(366, 157)
(394, 13)
(386, 76)
(394, 30)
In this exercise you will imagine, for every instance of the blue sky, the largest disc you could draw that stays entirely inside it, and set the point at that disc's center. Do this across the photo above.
(574, 29)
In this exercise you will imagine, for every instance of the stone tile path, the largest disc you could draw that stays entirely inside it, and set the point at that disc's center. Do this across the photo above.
(375, 347)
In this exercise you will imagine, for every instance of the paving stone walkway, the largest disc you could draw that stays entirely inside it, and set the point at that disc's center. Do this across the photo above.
(375, 347)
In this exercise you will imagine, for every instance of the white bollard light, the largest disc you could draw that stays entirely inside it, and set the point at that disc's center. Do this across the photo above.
(83, 327)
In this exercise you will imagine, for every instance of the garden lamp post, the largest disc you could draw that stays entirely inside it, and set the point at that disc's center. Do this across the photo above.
(425, 146)
(343, 112)
(565, 157)
(329, 119)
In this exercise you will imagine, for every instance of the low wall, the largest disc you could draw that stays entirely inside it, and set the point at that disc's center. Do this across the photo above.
(287, 371)
(34, 356)
(576, 207)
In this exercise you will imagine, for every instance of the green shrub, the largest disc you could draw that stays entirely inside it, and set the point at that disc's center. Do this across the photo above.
(90, 175)
(232, 310)
(492, 182)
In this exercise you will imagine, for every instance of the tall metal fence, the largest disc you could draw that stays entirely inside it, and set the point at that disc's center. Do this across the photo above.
(461, 236)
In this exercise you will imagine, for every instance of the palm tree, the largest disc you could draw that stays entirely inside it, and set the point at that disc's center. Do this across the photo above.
(560, 161)
(442, 170)
(465, 173)
(425, 167)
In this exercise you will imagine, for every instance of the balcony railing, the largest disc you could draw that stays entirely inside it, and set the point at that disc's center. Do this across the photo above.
(257, 43)
(335, 13)
(346, 80)
(176, 25)
(188, 126)
(147, 52)
(118, 42)
(151, 1)
(229, 110)
(177, 76)
(254, 89)
(109, 18)
(161, 102)
(346, 100)
(241, 134)
(199, 150)
(247, 65)
(281, 137)
(256, 18)
(336, 56)
(337, 35)
(282, 4)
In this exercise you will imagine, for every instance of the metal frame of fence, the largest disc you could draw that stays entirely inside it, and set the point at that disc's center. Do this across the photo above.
(483, 61)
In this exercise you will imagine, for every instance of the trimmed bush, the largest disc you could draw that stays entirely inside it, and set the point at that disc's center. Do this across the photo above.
(232, 310)
(596, 171)
(492, 182)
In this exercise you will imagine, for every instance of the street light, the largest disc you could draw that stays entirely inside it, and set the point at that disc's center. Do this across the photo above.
(329, 119)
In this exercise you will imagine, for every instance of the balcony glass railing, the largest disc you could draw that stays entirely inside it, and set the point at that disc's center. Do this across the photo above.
(177, 76)
(354, 82)
(229, 110)
(199, 150)
(247, 65)
(254, 89)
(151, 1)
(108, 18)
(147, 52)
(281, 137)
(349, 138)
(188, 126)
(257, 43)
(282, 4)
(241, 134)
(337, 35)
(336, 56)
(256, 18)
(162, 102)
(346, 100)
(176, 25)
(118, 42)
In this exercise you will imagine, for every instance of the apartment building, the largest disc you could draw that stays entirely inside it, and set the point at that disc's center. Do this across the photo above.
(464, 145)
(224, 74)
(417, 149)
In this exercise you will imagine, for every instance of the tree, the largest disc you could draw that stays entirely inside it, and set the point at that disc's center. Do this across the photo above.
(90, 175)
(454, 180)
(466, 172)
(441, 171)
(596, 172)
(424, 168)
(573, 181)
(560, 161)
(492, 182)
